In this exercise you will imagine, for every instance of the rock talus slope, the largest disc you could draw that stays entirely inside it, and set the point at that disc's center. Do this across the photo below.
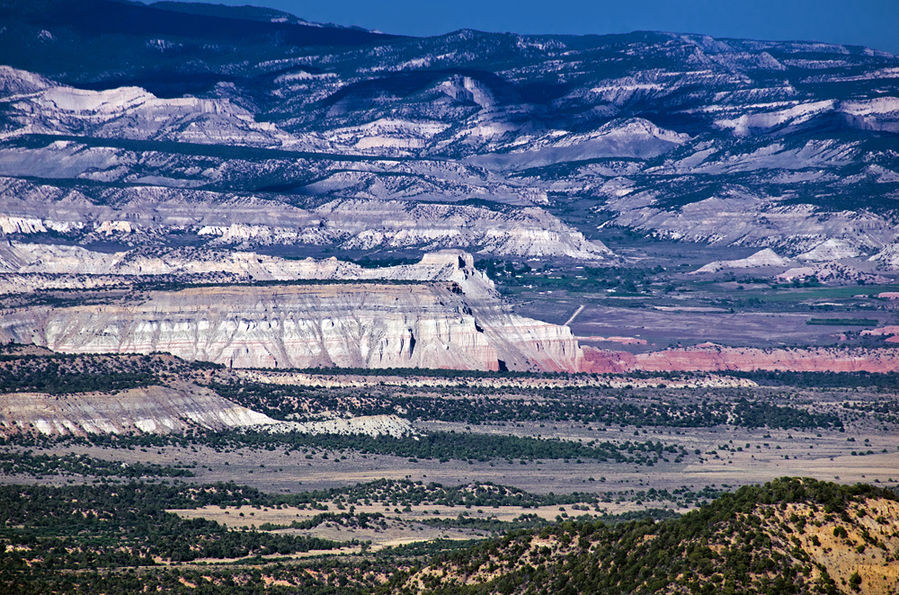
(175, 409)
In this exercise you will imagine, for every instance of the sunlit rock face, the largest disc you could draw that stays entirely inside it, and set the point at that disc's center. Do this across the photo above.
(440, 313)
(152, 410)
(178, 408)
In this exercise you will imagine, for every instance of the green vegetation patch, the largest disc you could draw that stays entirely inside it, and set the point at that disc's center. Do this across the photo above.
(87, 527)
(110, 538)
(39, 465)
(442, 446)
(584, 405)
(59, 373)
(723, 547)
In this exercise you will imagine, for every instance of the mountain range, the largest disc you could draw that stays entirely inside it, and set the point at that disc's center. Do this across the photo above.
(160, 124)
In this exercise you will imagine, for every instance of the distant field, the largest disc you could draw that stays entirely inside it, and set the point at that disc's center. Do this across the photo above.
(784, 294)
(843, 321)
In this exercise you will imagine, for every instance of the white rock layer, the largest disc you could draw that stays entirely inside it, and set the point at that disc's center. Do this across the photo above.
(154, 410)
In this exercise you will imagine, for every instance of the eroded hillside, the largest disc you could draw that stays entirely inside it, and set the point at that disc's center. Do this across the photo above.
(441, 313)
(792, 535)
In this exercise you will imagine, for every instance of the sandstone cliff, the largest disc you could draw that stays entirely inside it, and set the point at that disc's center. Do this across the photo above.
(27, 267)
(438, 313)
(368, 325)
(171, 409)
(153, 409)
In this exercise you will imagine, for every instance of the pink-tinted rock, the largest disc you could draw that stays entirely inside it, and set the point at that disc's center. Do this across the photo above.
(714, 358)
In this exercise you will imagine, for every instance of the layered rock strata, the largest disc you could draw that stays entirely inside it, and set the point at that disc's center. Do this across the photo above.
(364, 325)
(157, 216)
(27, 267)
(153, 409)
(438, 313)
(165, 410)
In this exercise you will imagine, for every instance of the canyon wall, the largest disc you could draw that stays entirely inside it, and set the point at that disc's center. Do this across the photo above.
(364, 325)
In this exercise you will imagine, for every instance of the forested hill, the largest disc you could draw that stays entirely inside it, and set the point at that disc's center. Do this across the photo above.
(787, 536)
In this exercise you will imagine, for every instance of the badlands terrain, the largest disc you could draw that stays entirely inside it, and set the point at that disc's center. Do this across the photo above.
(308, 308)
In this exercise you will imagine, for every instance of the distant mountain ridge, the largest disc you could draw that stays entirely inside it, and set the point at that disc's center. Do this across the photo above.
(781, 145)
(247, 12)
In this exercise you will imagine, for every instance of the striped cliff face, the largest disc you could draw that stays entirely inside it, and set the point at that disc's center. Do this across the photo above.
(374, 325)
(151, 409)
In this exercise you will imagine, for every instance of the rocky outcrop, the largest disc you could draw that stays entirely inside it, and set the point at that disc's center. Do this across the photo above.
(489, 382)
(605, 361)
(366, 325)
(175, 409)
(831, 249)
(438, 313)
(890, 333)
(852, 552)
(715, 358)
(26, 267)
(155, 216)
(830, 272)
(529, 344)
(133, 113)
(762, 258)
(888, 258)
(153, 409)
(726, 141)
(740, 220)
(364, 425)
(821, 264)
(400, 324)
